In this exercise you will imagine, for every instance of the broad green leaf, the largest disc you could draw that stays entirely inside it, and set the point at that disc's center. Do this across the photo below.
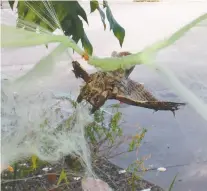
(81, 12)
(86, 44)
(51, 15)
(118, 31)
(63, 176)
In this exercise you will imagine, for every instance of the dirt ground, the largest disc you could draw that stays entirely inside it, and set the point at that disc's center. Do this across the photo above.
(103, 169)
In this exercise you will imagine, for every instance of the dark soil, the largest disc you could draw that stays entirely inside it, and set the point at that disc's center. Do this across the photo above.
(120, 182)
(104, 169)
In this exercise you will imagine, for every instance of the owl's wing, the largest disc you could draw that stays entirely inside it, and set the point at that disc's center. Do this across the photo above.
(135, 94)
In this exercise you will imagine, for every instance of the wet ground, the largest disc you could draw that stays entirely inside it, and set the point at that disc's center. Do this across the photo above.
(179, 143)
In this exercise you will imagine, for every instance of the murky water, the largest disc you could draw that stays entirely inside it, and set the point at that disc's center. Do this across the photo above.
(179, 144)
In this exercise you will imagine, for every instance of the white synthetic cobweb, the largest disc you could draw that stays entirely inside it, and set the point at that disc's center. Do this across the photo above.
(30, 127)
(31, 116)
(183, 64)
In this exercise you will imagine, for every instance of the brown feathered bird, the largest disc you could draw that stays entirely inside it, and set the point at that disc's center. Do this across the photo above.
(101, 86)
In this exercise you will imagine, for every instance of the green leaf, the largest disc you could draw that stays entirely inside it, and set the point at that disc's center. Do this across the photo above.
(95, 5)
(50, 15)
(86, 44)
(67, 17)
(131, 146)
(11, 3)
(63, 176)
(105, 4)
(172, 183)
(102, 17)
(118, 31)
(81, 12)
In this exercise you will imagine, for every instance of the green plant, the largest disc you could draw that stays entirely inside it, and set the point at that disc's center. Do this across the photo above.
(104, 135)
(65, 15)
(172, 183)
(137, 169)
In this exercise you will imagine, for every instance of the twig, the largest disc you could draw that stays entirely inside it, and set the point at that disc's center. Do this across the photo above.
(25, 179)
(15, 175)
(120, 153)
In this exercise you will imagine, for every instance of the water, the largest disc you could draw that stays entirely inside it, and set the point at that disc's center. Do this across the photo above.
(175, 143)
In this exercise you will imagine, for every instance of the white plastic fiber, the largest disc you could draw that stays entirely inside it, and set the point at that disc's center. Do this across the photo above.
(182, 66)
(24, 136)
(30, 114)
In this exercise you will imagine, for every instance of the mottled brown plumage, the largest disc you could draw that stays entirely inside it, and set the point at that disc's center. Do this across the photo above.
(101, 86)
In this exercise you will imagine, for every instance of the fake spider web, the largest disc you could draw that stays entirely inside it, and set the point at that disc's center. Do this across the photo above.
(184, 63)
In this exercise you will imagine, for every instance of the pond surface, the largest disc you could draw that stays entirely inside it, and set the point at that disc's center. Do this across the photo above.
(177, 143)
